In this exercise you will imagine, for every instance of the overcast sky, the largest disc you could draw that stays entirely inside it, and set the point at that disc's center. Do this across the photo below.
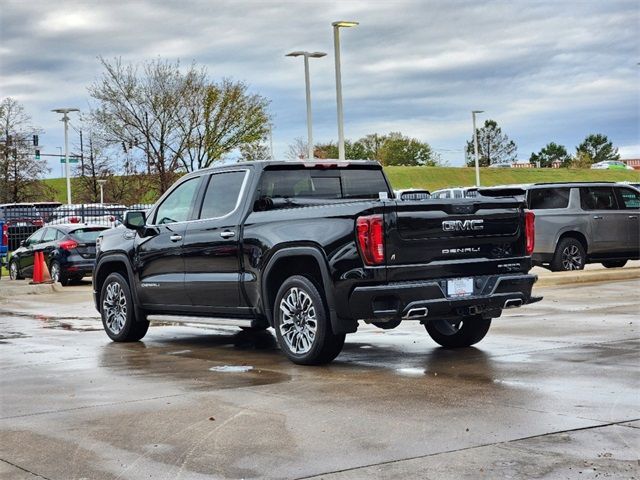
(545, 70)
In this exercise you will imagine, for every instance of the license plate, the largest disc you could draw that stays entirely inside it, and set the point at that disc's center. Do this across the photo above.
(460, 287)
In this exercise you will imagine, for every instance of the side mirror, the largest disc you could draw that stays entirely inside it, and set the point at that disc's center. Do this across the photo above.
(135, 220)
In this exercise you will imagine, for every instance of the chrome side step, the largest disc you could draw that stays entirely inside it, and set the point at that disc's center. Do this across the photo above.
(220, 322)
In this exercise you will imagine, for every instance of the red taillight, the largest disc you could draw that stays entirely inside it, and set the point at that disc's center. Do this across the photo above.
(74, 220)
(529, 231)
(370, 232)
(5, 235)
(112, 218)
(68, 244)
(38, 223)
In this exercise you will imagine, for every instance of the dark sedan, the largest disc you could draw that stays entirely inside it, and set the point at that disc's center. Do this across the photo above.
(69, 250)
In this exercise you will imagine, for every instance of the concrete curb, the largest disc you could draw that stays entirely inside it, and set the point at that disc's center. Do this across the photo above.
(587, 276)
(10, 289)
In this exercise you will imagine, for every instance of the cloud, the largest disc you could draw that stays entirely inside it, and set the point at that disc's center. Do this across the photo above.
(545, 70)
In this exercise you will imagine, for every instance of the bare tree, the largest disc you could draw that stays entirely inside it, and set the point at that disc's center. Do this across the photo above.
(297, 150)
(149, 107)
(97, 165)
(20, 171)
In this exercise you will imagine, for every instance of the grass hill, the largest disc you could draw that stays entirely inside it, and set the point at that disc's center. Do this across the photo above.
(434, 178)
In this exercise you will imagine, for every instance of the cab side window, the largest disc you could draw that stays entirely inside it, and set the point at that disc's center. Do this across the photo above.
(598, 198)
(35, 238)
(629, 199)
(222, 194)
(49, 235)
(177, 206)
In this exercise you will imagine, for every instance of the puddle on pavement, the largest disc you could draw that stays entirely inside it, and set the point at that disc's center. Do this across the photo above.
(73, 325)
(11, 335)
(232, 368)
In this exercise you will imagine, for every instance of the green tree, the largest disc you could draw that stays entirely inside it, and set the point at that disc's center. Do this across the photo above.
(398, 149)
(599, 148)
(582, 160)
(493, 146)
(552, 152)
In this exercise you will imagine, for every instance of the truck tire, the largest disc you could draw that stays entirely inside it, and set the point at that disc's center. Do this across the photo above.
(118, 312)
(464, 333)
(614, 263)
(302, 323)
(569, 255)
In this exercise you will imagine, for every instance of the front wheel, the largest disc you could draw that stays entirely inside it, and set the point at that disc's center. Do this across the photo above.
(459, 333)
(118, 312)
(302, 324)
(614, 263)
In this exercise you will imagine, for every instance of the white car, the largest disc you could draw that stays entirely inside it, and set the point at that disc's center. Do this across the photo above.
(457, 192)
(611, 165)
(93, 213)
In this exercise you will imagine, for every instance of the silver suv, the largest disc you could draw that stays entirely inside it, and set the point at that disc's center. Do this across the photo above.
(580, 223)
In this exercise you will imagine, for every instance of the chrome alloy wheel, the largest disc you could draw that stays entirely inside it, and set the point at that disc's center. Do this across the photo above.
(55, 272)
(13, 271)
(571, 258)
(114, 307)
(298, 325)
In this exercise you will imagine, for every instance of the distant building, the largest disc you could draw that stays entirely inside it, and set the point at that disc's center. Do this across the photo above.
(633, 162)
(523, 165)
(556, 164)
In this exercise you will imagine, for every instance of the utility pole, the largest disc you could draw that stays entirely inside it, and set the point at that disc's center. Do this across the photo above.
(81, 155)
(336, 46)
(65, 119)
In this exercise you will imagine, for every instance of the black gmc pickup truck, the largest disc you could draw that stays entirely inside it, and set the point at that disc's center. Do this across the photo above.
(311, 248)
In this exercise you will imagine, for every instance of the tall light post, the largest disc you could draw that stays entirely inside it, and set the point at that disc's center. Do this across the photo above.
(307, 83)
(336, 46)
(65, 119)
(101, 183)
(475, 145)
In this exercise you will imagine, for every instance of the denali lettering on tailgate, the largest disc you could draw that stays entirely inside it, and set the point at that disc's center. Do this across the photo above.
(454, 225)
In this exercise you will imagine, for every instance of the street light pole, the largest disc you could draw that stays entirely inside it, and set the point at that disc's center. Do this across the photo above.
(101, 184)
(307, 83)
(475, 145)
(65, 119)
(336, 47)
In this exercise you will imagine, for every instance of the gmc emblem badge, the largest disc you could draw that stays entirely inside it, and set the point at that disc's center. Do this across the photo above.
(460, 225)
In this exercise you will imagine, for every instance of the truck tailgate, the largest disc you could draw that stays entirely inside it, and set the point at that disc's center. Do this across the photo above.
(422, 235)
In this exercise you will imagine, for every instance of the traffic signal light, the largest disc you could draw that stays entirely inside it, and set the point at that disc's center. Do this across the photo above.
(37, 154)
(35, 140)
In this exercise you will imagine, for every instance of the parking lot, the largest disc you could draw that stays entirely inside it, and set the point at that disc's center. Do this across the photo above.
(552, 392)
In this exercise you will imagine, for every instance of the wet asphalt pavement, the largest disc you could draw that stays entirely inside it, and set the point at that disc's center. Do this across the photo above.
(552, 392)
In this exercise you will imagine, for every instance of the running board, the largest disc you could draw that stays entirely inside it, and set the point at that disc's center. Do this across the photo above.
(220, 322)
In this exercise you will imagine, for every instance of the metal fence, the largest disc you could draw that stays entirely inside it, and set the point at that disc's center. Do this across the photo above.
(24, 219)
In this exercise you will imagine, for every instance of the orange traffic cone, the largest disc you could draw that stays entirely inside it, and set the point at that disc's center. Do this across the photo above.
(37, 269)
(44, 270)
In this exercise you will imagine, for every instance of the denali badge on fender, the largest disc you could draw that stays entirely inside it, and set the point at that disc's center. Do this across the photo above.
(453, 225)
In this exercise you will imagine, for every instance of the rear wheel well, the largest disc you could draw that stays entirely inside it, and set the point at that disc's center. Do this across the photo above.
(578, 236)
(286, 267)
(107, 269)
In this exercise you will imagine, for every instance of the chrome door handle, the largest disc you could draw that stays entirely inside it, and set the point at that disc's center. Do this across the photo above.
(175, 238)
(227, 234)
(597, 217)
(633, 216)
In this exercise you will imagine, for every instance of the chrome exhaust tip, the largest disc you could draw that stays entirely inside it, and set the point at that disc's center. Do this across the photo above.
(416, 313)
(513, 303)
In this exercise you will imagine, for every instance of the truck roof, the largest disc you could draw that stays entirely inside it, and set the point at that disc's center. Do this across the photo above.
(316, 163)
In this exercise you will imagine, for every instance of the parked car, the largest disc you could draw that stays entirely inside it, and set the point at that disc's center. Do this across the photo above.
(90, 213)
(412, 194)
(21, 219)
(46, 209)
(4, 244)
(311, 249)
(611, 165)
(580, 223)
(456, 192)
(69, 251)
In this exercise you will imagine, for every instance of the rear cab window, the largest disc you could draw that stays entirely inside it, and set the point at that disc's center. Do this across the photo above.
(300, 182)
(548, 198)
